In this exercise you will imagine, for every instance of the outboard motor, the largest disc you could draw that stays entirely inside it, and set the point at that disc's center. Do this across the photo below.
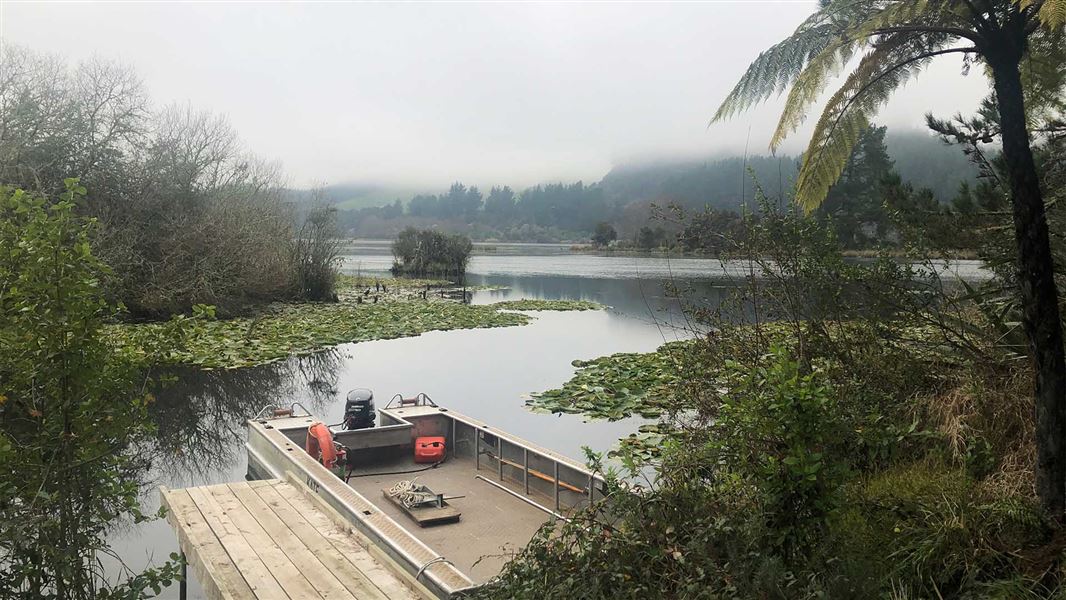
(359, 409)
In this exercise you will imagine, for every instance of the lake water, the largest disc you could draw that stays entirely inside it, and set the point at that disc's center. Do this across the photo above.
(484, 373)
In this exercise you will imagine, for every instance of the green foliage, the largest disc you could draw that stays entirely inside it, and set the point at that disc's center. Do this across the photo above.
(617, 386)
(710, 231)
(603, 235)
(938, 528)
(793, 420)
(723, 515)
(184, 215)
(897, 40)
(430, 253)
(649, 238)
(71, 407)
(527, 304)
(874, 439)
(855, 202)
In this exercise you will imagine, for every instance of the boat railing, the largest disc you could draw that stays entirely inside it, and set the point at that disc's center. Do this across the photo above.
(275, 411)
(398, 401)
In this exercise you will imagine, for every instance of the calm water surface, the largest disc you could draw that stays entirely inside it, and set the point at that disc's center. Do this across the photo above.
(483, 373)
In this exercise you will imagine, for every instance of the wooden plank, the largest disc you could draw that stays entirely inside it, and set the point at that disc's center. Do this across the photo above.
(346, 543)
(255, 572)
(281, 566)
(314, 570)
(426, 516)
(336, 560)
(216, 572)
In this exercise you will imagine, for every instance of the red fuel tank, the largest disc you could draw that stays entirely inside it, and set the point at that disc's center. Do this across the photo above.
(429, 449)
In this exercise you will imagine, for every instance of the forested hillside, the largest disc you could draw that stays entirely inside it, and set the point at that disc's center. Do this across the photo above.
(624, 197)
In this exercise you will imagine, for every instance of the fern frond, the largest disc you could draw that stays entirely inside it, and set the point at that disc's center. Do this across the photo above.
(774, 69)
(846, 116)
(1043, 75)
(807, 87)
(811, 82)
(1052, 13)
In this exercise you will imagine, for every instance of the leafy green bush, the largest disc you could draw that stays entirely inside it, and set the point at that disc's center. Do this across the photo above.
(776, 429)
(735, 505)
(70, 408)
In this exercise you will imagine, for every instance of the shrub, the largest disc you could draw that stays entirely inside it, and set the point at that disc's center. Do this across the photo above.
(604, 235)
(315, 253)
(428, 253)
(70, 407)
(185, 215)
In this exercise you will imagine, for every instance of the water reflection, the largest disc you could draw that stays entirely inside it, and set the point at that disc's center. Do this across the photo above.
(201, 414)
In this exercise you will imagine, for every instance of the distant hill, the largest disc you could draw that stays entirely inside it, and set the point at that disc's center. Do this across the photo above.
(927, 162)
(623, 197)
(354, 196)
(698, 183)
(921, 159)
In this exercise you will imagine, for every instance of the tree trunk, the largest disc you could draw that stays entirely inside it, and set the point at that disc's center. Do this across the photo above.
(1040, 299)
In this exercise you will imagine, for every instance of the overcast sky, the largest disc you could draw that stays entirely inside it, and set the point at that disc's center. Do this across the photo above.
(422, 94)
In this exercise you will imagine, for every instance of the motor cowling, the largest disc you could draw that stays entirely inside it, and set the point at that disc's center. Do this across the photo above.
(359, 409)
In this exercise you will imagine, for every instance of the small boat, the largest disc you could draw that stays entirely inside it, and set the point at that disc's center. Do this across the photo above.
(446, 497)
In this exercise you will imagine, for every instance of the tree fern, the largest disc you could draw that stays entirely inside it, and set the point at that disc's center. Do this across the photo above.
(847, 114)
(775, 68)
(1052, 13)
(897, 35)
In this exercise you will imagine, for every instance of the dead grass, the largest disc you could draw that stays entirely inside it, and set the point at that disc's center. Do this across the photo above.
(996, 412)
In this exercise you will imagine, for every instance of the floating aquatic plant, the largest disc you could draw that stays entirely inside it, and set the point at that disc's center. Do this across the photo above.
(548, 305)
(284, 330)
(617, 386)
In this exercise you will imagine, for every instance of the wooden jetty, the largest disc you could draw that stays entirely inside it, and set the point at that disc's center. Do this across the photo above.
(274, 539)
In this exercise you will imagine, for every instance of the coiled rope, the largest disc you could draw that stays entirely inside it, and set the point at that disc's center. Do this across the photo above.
(408, 495)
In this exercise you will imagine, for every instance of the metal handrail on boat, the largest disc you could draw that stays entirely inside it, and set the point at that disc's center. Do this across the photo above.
(536, 505)
(280, 412)
(420, 400)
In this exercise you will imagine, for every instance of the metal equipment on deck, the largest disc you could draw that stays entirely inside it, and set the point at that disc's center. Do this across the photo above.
(422, 504)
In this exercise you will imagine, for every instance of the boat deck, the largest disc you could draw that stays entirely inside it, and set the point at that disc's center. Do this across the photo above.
(493, 526)
(270, 540)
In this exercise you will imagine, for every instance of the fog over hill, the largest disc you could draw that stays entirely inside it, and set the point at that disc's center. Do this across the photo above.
(715, 180)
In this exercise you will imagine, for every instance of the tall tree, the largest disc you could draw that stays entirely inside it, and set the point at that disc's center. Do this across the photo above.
(897, 38)
(499, 206)
(856, 200)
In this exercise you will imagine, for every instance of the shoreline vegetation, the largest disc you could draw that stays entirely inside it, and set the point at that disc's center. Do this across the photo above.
(368, 309)
(680, 253)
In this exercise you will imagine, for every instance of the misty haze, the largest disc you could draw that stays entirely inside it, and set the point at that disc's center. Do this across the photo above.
(532, 300)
